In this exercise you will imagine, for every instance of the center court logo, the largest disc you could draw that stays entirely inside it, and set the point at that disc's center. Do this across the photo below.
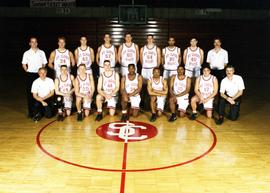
(127, 131)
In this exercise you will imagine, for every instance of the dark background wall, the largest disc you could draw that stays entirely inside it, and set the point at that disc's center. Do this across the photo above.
(247, 41)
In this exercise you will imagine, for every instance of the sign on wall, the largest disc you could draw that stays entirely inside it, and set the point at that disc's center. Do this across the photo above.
(52, 3)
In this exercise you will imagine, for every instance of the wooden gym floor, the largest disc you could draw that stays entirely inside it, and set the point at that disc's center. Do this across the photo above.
(239, 162)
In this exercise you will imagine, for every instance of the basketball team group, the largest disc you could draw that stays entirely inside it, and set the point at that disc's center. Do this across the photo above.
(168, 79)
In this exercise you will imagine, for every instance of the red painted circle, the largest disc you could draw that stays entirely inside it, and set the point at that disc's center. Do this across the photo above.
(38, 138)
(141, 131)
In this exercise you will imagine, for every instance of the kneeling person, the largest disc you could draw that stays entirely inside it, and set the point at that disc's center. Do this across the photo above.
(206, 88)
(43, 91)
(157, 89)
(64, 90)
(131, 85)
(179, 92)
(84, 90)
(108, 86)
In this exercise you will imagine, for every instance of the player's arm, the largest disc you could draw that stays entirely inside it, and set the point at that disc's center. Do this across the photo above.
(137, 53)
(150, 89)
(196, 88)
(171, 85)
(97, 56)
(24, 62)
(185, 56)
(215, 89)
(72, 81)
(92, 55)
(49, 95)
(141, 56)
(77, 89)
(163, 57)
(138, 90)
(158, 56)
(119, 58)
(202, 56)
(117, 80)
(76, 55)
(25, 67)
(179, 57)
(35, 96)
(99, 87)
(116, 55)
(56, 88)
(51, 59)
(122, 87)
(238, 94)
(92, 85)
(72, 60)
(165, 87)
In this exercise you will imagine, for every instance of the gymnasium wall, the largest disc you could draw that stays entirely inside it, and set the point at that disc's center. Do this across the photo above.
(247, 41)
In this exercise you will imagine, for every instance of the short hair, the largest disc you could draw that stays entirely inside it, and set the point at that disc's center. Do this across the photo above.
(131, 65)
(230, 66)
(193, 38)
(63, 66)
(171, 37)
(156, 68)
(83, 36)
(107, 33)
(32, 37)
(42, 68)
(206, 66)
(218, 38)
(61, 38)
(82, 64)
(128, 33)
(107, 61)
(181, 66)
(150, 35)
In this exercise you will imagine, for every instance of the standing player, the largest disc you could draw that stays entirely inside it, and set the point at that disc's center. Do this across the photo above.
(84, 55)
(64, 89)
(128, 53)
(231, 90)
(106, 51)
(206, 88)
(193, 59)
(218, 60)
(61, 56)
(157, 89)
(108, 86)
(131, 85)
(179, 92)
(171, 58)
(33, 59)
(150, 57)
(84, 90)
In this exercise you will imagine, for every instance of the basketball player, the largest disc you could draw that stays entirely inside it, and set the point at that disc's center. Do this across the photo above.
(131, 85)
(43, 91)
(206, 88)
(108, 87)
(171, 58)
(84, 90)
(150, 57)
(128, 53)
(33, 59)
(157, 89)
(64, 88)
(61, 56)
(84, 55)
(218, 60)
(193, 59)
(231, 90)
(106, 51)
(179, 92)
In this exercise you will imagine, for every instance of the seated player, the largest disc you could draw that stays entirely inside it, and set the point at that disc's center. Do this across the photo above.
(108, 86)
(206, 87)
(231, 90)
(43, 91)
(157, 89)
(64, 90)
(131, 85)
(179, 92)
(84, 90)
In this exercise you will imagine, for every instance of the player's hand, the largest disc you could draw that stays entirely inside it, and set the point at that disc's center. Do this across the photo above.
(230, 100)
(108, 97)
(44, 103)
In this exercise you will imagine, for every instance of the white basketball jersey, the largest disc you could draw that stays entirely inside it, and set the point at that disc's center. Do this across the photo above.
(193, 59)
(157, 85)
(84, 84)
(171, 58)
(84, 57)
(206, 85)
(61, 58)
(179, 86)
(131, 85)
(128, 55)
(107, 54)
(149, 57)
(108, 83)
(65, 85)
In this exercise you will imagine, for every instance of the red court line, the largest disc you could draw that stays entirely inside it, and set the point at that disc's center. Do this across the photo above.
(124, 164)
(126, 170)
